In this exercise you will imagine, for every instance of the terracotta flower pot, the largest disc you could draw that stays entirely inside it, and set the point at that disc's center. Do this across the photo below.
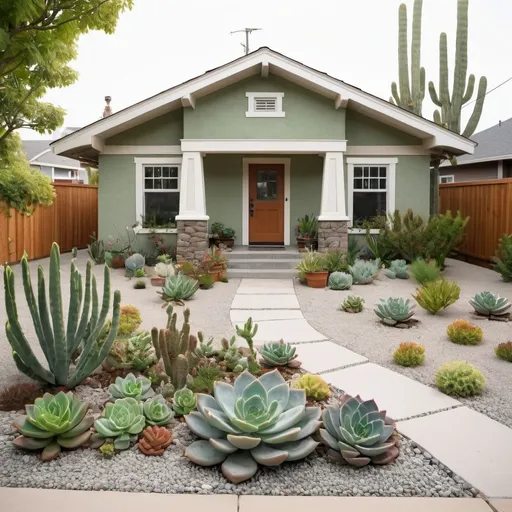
(317, 279)
(118, 261)
(228, 242)
(158, 281)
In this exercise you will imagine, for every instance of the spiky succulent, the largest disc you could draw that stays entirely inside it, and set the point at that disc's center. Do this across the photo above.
(488, 303)
(353, 304)
(463, 332)
(409, 354)
(437, 295)
(364, 272)
(184, 401)
(504, 351)
(278, 354)
(205, 348)
(255, 421)
(340, 281)
(157, 412)
(397, 269)
(315, 387)
(131, 387)
(394, 310)
(358, 433)
(121, 422)
(155, 440)
(178, 288)
(52, 423)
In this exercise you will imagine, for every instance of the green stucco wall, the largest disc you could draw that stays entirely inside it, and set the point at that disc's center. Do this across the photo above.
(365, 131)
(413, 185)
(221, 115)
(166, 130)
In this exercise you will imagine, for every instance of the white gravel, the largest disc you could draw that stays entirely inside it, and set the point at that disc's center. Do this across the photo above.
(364, 334)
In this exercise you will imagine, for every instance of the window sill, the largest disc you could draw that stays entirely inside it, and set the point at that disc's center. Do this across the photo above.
(150, 231)
(357, 231)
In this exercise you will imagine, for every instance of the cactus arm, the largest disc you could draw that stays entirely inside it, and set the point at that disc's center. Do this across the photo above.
(416, 69)
(477, 111)
(23, 368)
(45, 317)
(444, 86)
(461, 60)
(94, 314)
(437, 117)
(75, 300)
(165, 342)
(169, 315)
(155, 333)
(179, 371)
(85, 312)
(470, 89)
(394, 91)
(403, 59)
(433, 94)
(423, 79)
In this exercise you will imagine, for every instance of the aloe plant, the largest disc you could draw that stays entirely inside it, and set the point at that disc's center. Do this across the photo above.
(394, 310)
(358, 433)
(488, 303)
(184, 401)
(54, 422)
(364, 272)
(178, 288)
(157, 411)
(278, 354)
(84, 329)
(340, 281)
(131, 387)
(255, 421)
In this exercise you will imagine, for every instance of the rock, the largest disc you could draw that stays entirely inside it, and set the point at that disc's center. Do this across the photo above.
(206, 487)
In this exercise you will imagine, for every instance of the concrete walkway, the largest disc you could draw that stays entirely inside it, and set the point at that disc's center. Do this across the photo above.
(472, 445)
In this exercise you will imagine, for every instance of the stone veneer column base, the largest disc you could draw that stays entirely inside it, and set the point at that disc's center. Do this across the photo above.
(192, 240)
(332, 235)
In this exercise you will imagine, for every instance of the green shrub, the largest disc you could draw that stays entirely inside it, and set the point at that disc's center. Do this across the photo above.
(460, 378)
(129, 320)
(409, 354)
(502, 262)
(206, 281)
(504, 351)
(423, 271)
(464, 333)
(437, 295)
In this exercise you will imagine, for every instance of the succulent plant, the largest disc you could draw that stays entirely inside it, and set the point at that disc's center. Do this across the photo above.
(358, 433)
(155, 440)
(464, 333)
(340, 281)
(133, 353)
(184, 401)
(490, 304)
(135, 262)
(205, 348)
(437, 295)
(206, 281)
(120, 423)
(315, 387)
(164, 269)
(423, 271)
(248, 332)
(460, 378)
(255, 421)
(230, 353)
(205, 376)
(52, 423)
(107, 450)
(397, 269)
(394, 310)
(353, 304)
(129, 320)
(178, 288)
(409, 354)
(140, 284)
(131, 387)
(364, 272)
(157, 411)
(279, 354)
(504, 351)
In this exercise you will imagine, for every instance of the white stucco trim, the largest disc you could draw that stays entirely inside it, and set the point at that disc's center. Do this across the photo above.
(332, 206)
(192, 188)
(386, 151)
(58, 166)
(293, 146)
(390, 182)
(142, 150)
(245, 195)
(140, 162)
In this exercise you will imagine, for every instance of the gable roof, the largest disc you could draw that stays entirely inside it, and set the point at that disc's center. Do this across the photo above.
(39, 152)
(89, 141)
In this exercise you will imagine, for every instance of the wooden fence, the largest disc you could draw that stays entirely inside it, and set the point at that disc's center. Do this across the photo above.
(70, 221)
(489, 206)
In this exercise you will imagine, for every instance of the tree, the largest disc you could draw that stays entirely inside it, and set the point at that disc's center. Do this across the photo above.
(93, 176)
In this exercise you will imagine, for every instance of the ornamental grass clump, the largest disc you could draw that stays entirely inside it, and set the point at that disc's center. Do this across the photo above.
(279, 354)
(423, 272)
(460, 379)
(464, 333)
(437, 295)
(409, 354)
(353, 304)
(52, 423)
(490, 304)
(255, 421)
(184, 401)
(394, 310)
(131, 387)
(504, 351)
(315, 387)
(357, 433)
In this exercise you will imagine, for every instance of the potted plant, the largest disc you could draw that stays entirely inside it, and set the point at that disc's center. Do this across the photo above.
(313, 266)
(223, 234)
(307, 232)
(216, 263)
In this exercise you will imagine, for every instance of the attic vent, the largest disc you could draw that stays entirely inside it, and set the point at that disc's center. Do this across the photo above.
(265, 104)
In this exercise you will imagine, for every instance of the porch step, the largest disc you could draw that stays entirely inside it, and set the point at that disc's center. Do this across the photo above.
(244, 254)
(256, 273)
(263, 263)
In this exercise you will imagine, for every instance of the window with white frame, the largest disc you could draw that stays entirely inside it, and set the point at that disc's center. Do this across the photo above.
(447, 179)
(161, 194)
(265, 104)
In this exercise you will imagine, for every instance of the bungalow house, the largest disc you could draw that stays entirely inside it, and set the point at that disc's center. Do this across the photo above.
(255, 144)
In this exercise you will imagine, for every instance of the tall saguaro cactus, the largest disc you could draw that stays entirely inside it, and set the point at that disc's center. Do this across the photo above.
(451, 108)
(409, 94)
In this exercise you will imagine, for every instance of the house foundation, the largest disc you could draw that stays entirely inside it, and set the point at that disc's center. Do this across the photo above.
(192, 241)
(332, 235)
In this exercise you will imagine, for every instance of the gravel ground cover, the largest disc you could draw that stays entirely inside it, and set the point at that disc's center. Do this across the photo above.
(364, 334)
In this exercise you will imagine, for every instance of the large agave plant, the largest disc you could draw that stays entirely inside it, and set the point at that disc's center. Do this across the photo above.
(178, 288)
(394, 310)
(364, 272)
(52, 423)
(488, 303)
(131, 387)
(278, 354)
(358, 433)
(255, 421)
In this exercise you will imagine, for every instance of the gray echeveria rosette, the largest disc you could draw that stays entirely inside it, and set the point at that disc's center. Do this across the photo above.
(278, 354)
(255, 421)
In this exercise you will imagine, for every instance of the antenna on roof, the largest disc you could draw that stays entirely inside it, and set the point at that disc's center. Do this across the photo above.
(247, 33)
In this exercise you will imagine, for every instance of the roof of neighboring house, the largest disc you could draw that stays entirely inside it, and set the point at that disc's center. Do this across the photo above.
(39, 152)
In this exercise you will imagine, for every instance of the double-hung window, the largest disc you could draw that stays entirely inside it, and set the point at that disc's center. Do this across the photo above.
(161, 201)
(450, 178)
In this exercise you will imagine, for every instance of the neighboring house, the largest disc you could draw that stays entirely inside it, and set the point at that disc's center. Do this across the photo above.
(255, 144)
(492, 159)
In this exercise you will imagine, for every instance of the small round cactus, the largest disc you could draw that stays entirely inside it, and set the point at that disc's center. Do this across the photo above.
(464, 333)
(315, 387)
(504, 351)
(460, 378)
(409, 354)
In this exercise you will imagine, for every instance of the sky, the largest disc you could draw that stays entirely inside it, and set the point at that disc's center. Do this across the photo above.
(161, 43)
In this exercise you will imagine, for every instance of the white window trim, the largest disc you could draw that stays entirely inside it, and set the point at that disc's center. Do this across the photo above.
(452, 176)
(139, 179)
(390, 182)
(245, 195)
(251, 96)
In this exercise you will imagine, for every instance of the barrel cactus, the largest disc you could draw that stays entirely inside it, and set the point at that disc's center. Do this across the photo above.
(131, 387)
(84, 329)
(358, 433)
(54, 422)
(340, 281)
(397, 269)
(157, 411)
(394, 310)
(255, 421)
(278, 354)
(364, 272)
(490, 304)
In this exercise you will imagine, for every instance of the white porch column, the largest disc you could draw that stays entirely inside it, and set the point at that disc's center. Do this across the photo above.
(192, 193)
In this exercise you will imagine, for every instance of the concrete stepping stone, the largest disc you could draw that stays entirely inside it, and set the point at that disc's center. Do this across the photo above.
(323, 356)
(502, 505)
(471, 444)
(255, 301)
(400, 396)
(291, 331)
(258, 315)
(266, 286)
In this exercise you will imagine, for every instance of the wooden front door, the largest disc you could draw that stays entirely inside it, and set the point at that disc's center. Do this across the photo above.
(266, 204)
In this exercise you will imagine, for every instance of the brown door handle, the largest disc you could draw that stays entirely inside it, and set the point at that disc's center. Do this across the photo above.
(251, 207)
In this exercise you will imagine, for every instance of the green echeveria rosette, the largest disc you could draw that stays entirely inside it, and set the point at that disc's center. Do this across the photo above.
(255, 421)
(358, 433)
(131, 387)
(278, 354)
(121, 422)
(54, 422)
(184, 401)
(157, 411)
